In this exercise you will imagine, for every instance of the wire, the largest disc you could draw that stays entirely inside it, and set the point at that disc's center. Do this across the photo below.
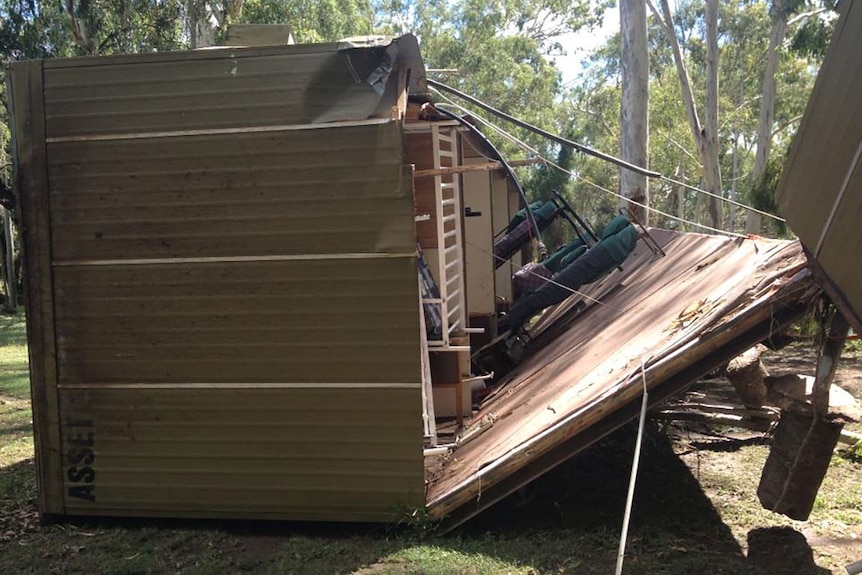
(550, 162)
(559, 139)
(438, 86)
(722, 198)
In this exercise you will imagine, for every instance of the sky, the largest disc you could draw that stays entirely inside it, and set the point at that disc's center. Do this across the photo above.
(577, 46)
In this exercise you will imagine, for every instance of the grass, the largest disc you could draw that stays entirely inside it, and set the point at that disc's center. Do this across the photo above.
(695, 511)
(15, 415)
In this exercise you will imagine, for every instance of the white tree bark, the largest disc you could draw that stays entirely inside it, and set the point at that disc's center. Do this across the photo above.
(634, 112)
(706, 137)
(80, 30)
(204, 20)
(767, 107)
(709, 137)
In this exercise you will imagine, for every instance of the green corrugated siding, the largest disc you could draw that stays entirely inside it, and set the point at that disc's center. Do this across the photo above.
(316, 191)
(820, 192)
(343, 321)
(294, 453)
(231, 88)
(236, 314)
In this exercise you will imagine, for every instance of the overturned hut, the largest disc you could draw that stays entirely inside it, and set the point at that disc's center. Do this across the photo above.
(256, 276)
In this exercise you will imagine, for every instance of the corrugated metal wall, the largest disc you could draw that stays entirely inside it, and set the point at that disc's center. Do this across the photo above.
(820, 192)
(226, 88)
(236, 314)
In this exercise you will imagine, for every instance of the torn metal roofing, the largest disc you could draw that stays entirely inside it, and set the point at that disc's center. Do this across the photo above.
(227, 88)
(661, 322)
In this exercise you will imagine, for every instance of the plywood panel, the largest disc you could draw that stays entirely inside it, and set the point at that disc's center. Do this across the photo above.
(820, 192)
(842, 246)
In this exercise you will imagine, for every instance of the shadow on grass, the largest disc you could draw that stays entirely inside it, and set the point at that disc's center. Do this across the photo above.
(566, 522)
(782, 551)
(578, 509)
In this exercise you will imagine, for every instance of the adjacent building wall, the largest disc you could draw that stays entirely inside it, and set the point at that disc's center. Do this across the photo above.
(820, 193)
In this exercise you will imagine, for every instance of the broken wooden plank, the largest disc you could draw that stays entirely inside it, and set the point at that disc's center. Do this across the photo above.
(486, 167)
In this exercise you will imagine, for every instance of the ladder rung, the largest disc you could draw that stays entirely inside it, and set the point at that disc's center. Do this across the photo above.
(449, 202)
(445, 154)
(454, 325)
(452, 264)
(450, 234)
(453, 311)
(450, 249)
(449, 218)
(448, 347)
(448, 186)
(449, 280)
(432, 300)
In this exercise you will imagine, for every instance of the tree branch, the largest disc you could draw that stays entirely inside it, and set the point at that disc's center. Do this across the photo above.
(682, 149)
(657, 14)
(785, 125)
(805, 16)
(682, 72)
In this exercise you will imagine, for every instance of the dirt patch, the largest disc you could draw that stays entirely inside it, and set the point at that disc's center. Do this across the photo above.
(728, 463)
(801, 358)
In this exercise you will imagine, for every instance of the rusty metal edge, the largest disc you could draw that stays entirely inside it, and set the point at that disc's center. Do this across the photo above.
(455, 508)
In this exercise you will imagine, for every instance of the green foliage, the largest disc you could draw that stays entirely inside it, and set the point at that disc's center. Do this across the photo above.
(743, 29)
(762, 193)
(502, 52)
(312, 20)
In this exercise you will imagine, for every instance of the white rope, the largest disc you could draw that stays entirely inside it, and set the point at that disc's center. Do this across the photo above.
(633, 478)
(550, 162)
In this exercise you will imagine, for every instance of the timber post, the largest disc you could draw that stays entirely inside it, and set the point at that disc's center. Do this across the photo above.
(803, 443)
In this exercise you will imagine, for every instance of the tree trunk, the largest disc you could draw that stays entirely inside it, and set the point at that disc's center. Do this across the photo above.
(680, 198)
(767, 107)
(706, 137)
(634, 113)
(200, 24)
(709, 136)
(746, 372)
(80, 29)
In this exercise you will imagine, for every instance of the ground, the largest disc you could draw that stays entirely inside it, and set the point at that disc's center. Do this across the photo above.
(695, 510)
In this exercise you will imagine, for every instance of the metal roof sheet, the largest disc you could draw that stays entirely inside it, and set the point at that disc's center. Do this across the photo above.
(666, 316)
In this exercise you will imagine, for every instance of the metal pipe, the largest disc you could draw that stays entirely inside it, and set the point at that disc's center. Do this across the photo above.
(536, 130)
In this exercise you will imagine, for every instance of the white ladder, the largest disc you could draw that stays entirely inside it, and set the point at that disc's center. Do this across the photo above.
(450, 235)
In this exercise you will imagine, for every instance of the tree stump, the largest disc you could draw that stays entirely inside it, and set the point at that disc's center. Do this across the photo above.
(747, 373)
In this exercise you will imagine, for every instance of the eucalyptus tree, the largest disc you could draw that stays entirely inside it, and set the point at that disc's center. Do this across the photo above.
(500, 52)
(810, 37)
(634, 109)
(742, 33)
